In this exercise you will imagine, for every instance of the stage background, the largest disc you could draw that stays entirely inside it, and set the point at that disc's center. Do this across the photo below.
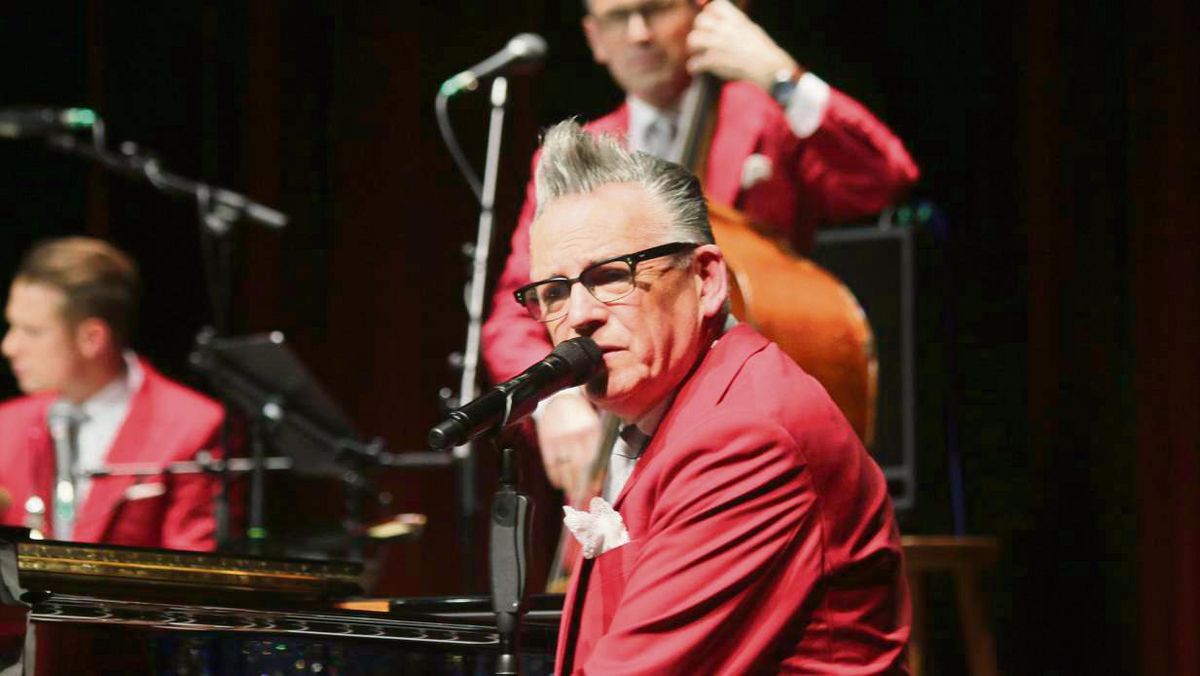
(1058, 137)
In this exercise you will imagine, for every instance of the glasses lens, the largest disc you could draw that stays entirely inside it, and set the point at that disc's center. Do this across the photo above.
(608, 281)
(654, 10)
(617, 20)
(547, 300)
(613, 22)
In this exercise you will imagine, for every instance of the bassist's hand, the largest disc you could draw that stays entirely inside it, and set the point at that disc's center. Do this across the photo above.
(726, 43)
(568, 432)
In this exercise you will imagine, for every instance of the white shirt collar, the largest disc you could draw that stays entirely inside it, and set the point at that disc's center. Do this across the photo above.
(649, 422)
(642, 114)
(116, 395)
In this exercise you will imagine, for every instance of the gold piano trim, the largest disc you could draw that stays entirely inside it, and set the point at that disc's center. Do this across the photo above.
(130, 572)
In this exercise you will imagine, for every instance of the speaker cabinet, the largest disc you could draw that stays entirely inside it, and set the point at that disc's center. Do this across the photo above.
(876, 263)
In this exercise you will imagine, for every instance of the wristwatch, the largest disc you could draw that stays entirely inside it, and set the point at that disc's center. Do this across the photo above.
(784, 85)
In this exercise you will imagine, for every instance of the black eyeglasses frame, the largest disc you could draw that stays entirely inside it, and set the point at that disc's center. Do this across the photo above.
(630, 259)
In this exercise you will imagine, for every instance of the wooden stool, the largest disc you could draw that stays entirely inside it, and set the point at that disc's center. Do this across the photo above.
(962, 557)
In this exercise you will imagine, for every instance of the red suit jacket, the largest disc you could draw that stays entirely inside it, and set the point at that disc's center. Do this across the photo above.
(166, 423)
(762, 538)
(852, 166)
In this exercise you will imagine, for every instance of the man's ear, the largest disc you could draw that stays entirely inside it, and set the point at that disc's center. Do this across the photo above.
(712, 279)
(591, 30)
(93, 337)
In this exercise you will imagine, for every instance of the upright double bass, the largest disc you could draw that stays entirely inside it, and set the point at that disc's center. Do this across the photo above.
(790, 299)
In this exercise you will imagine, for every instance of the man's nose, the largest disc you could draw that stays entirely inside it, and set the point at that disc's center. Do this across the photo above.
(585, 314)
(638, 28)
(8, 346)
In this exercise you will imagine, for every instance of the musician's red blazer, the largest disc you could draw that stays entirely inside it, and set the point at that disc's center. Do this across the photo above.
(851, 167)
(762, 538)
(167, 422)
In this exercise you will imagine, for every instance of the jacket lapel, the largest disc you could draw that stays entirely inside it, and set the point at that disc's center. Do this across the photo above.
(568, 627)
(41, 467)
(736, 139)
(702, 391)
(699, 394)
(133, 439)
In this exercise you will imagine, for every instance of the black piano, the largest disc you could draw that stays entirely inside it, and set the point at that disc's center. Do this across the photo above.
(68, 608)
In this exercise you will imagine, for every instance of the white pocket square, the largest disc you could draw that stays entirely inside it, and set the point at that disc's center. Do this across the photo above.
(600, 529)
(144, 491)
(756, 169)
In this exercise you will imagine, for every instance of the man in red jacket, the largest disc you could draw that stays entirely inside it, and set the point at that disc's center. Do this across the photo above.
(748, 530)
(788, 150)
(92, 404)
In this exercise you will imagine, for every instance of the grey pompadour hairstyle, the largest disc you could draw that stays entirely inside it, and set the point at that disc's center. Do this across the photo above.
(574, 162)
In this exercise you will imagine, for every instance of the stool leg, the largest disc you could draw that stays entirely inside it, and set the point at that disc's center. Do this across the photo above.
(981, 649)
(916, 640)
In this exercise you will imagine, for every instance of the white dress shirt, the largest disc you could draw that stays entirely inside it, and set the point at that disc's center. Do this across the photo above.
(628, 447)
(106, 411)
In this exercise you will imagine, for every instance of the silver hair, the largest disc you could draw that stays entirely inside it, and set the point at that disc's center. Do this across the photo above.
(575, 162)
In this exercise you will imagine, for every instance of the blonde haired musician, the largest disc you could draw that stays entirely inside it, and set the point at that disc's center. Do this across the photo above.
(91, 402)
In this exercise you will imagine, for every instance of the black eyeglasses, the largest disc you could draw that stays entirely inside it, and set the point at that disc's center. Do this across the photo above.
(607, 281)
(653, 12)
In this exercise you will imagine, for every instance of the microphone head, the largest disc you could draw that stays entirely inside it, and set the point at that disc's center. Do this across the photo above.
(527, 47)
(583, 357)
(29, 121)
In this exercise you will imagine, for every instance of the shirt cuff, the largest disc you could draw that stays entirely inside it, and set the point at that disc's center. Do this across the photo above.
(806, 109)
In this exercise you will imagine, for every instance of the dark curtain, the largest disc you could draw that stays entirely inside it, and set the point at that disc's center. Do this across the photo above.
(1059, 138)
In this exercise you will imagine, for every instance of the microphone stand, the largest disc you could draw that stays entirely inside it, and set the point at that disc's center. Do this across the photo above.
(228, 207)
(511, 514)
(475, 299)
(205, 463)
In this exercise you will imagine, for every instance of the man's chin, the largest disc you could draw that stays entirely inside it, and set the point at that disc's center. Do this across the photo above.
(656, 88)
(614, 400)
(28, 386)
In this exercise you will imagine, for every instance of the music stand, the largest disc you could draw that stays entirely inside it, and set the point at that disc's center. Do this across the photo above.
(287, 409)
(263, 377)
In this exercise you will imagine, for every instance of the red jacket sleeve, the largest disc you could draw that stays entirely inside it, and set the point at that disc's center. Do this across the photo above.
(853, 165)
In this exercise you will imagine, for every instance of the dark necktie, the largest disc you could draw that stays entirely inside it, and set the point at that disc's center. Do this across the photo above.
(628, 447)
(659, 137)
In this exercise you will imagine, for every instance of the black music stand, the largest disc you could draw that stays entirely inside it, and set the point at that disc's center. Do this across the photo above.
(288, 410)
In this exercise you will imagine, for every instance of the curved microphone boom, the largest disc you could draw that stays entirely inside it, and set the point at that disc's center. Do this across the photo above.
(573, 362)
(525, 49)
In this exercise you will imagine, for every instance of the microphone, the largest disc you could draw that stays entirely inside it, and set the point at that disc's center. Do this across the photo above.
(525, 49)
(573, 362)
(26, 121)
